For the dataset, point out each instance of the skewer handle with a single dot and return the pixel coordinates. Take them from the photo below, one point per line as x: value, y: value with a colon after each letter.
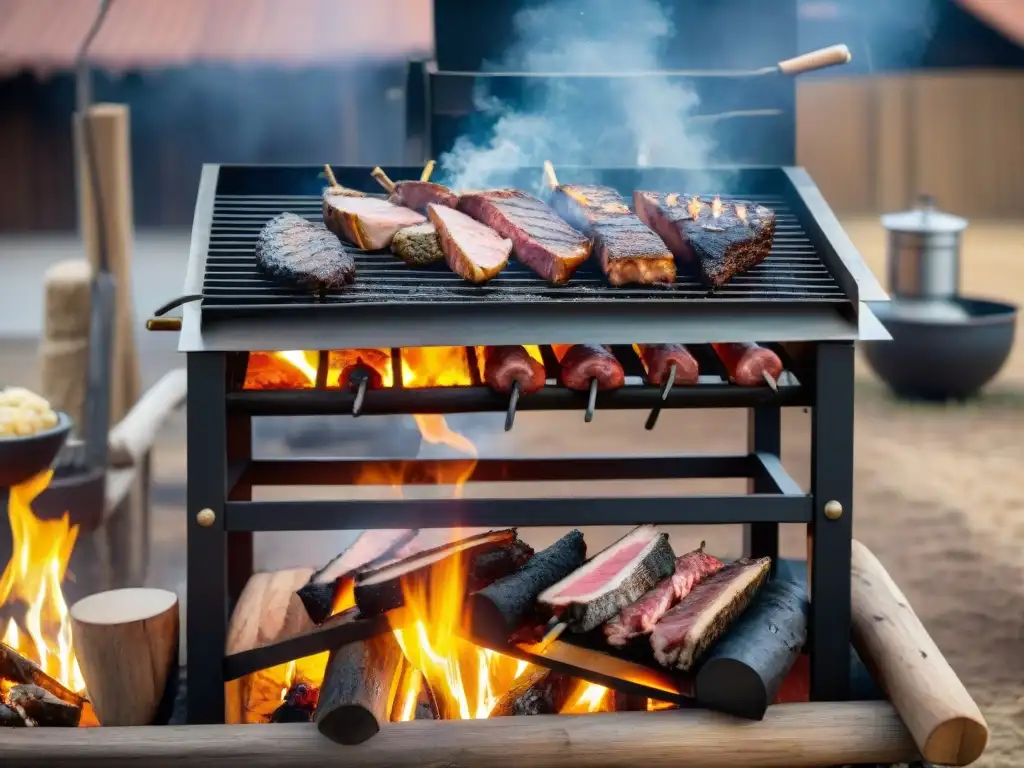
x: 510, y: 416
x: 652, y: 419
x: 770, y: 381
x: 357, y: 406
x: 382, y: 178
x: 330, y: 176
x: 820, y: 59
x: 591, y: 402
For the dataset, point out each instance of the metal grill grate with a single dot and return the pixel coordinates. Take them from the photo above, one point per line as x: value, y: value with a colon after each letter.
x: 232, y: 284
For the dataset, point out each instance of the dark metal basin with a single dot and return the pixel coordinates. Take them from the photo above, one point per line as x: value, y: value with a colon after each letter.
x: 24, y: 457
x: 941, y: 352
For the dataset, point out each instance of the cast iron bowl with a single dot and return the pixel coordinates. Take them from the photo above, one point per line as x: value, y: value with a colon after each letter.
x: 942, y: 358
x: 25, y: 457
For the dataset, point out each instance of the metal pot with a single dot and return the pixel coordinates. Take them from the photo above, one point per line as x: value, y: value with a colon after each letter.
x: 924, y: 252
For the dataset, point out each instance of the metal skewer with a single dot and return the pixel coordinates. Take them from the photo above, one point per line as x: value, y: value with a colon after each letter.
x: 591, y: 402
x: 770, y: 381
x: 364, y: 382
x: 510, y: 416
x: 652, y: 419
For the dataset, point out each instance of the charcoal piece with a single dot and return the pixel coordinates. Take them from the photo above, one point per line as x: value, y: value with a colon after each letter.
x: 538, y: 692
x: 294, y: 251
x: 743, y: 672
x: 503, y: 607
x: 9, y: 718
x: 41, y: 708
x: 380, y: 590
x: 298, y: 706
x: 370, y: 548
x: 424, y: 711
x: 612, y: 579
x: 488, y: 567
x: 685, y: 633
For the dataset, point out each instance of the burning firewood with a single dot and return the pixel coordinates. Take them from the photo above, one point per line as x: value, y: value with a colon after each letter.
x: 39, y: 707
x: 329, y: 590
x: 22, y: 671
x: 539, y: 692
x: 359, y: 689
x: 9, y: 718
x: 489, y: 556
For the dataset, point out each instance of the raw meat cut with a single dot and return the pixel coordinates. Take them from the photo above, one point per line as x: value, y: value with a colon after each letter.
x: 474, y: 251
x: 612, y: 579
x: 688, y: 630
x: 639, y: 617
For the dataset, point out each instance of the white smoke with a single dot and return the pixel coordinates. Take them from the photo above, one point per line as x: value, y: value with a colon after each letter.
x: 622, y: 121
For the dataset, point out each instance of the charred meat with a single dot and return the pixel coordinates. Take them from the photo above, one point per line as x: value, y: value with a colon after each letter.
x: 612, y: 579
x: 418, y: 246
x: 625, y: 247
x: 688, y: 630
x: 367, y: 222
x: 718, y: 239
x: 473, y: 251
x: 294, y: 251
x: 542, y: 240
x: 639, y: 617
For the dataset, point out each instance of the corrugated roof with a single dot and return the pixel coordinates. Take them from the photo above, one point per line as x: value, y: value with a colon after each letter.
x: 44, y: 35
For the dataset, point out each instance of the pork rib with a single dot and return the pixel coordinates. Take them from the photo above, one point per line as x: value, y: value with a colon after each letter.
x: 625, y: 247
x: 542, y: 241
x: 639, y: 617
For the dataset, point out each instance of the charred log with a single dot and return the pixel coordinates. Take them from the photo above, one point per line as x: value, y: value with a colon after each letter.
x: 540, y: 692
x: 744, y: 671
x: 18, y: 669
x: 39, y: 707
x: 381, y: 590
x: 503, y: 607
x: 9, y: 718
x: 359, y: 689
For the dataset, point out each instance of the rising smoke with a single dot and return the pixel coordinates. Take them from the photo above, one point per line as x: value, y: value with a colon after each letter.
x: 607, y: 122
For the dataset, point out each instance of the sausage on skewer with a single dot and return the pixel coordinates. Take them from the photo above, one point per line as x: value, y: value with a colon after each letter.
x: 749, y: 364
x: 512, y: 370
x: 590, y: 367
x: 658, y: 360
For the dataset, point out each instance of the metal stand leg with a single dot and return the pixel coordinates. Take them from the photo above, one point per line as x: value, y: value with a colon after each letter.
x: 206, y: 606
x: 830, y: 533
x: 764, y: 435
x: 240, y: 555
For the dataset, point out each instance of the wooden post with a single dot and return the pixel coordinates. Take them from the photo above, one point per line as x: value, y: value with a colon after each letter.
x: 126, y: 641
x: 109, y: 125
x: 64, y: 349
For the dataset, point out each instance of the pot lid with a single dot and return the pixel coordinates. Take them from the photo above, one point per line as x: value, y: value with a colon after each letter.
x: 924, y: 219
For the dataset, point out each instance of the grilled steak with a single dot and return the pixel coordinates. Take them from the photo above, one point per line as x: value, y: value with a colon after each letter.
x: 688, y: 630
x: 612, y: 579
x: 639, y: 617
x: 626, y: 248
x: 720, y: 240
x: 658, y: 360
x: 505, y: 365
x: 419, y: 194
x: 473, y: 251
x: 295, y: 251
x: 367, y: 222
x: 418, y: 246
x: 583, y: 362
x: 542, y: 240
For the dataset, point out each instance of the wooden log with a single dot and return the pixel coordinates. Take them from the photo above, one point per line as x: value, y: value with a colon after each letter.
x: 947, y: 725
x: 791, y: 735
x: 22, y: 671
x: 110, y: 128
x: 41, y: 708
x: 744, y: 671
x: 9, y: 718
x: 539, y: 692
x: 359, y: 689
x: 63, y: 354
x: 126, y: 641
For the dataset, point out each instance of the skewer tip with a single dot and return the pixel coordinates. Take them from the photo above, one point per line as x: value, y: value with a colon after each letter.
x: 330, y: 176
x: 591, y: 402
x: 770, y: 381
x: 382, y: 179
x: 510, y: 415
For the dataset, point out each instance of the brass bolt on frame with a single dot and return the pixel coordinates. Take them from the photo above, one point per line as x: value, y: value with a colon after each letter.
x: 206, y: 517
x: 833, y: 510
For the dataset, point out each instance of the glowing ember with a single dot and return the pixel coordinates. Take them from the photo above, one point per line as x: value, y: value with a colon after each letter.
x: 694, y: 207
x: 717, y: 207
x: 40, y: 553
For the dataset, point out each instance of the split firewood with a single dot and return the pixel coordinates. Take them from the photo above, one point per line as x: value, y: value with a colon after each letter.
x: 39, y: 707
x: 18, y: 669
x: 539, y: 692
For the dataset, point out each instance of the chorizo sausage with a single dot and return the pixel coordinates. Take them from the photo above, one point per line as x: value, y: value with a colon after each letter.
x: 583, y: 362
x: 658, y: 360
x: 746, y: 363
x: 505, y: 365
x: 368, y: 362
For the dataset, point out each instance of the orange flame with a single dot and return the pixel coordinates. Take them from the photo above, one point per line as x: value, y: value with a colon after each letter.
x: 39, y: 559
x: 694, y: 207
x: 741, y: 212
x: 587, y: 698
x: 717, y: 207
x: 297, y: 369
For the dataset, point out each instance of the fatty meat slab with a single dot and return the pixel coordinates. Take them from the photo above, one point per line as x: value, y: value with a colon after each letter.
x: 367, y: 222
x: 294, y: 251
x: 473, y: 251
x: 640, y: 617
x: 683, y: 634
x: 611, y: 580
x: 626, y: 248
x: 719, y: 240
x: 541, y: 239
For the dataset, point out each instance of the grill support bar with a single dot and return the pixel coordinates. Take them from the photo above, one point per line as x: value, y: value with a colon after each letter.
x: 222, y: 473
